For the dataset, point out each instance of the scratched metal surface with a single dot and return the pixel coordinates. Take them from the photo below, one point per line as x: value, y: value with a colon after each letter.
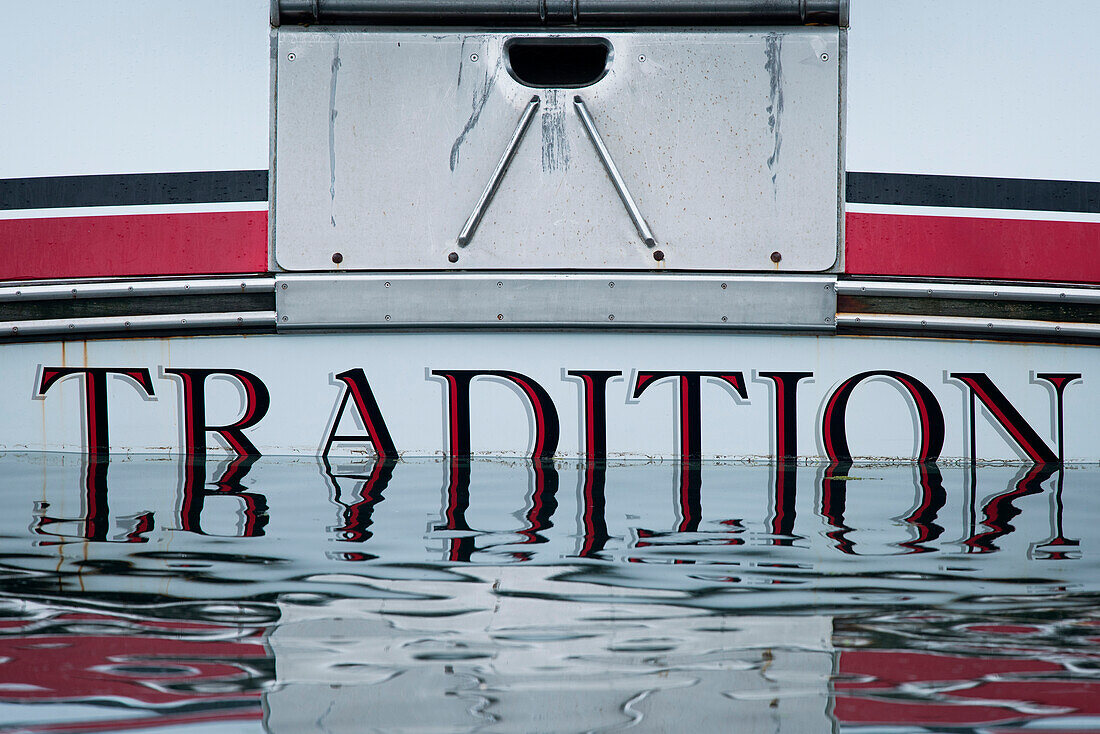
x: 727, y: 140
x: 151, y: 593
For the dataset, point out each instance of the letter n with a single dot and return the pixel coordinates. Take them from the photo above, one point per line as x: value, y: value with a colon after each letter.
x: 1008, y: 418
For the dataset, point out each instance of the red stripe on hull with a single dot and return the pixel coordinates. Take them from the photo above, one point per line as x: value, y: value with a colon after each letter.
x: 139, y: 244
x: 966, y: 247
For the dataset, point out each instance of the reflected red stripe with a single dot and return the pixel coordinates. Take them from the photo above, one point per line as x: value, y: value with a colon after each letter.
x: 969, y: 247
x: 889, y: 667
x: 134, y: 244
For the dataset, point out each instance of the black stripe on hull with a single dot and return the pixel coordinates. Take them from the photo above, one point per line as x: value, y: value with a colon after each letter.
x: 133, y: 189
x: 971, y: 192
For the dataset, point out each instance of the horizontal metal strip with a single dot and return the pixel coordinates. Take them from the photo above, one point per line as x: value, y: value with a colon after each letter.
x: 113, y: 289
x: 183, y: 322
x: 129, y: 189
x: 556, y: 300
x: 973, y: 192
x: 588, y: 12
x: 967, y: 325
x: 968, y: 290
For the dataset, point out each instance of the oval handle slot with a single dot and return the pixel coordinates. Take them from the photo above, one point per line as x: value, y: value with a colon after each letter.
x: 558, y: 62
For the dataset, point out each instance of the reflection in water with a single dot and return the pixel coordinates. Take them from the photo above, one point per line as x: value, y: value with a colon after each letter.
x: 157, y: 593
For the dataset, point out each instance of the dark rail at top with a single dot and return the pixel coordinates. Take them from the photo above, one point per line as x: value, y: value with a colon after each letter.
x: 562, y: 12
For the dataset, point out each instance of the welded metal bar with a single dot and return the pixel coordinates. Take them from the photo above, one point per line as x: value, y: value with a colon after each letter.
x: 136, y: 288
x: 965, y: 324
x: 542, y: 12
x: 468, y: 230
x: 971, y: 291
x: 613, y: 171
x: 159, y: 322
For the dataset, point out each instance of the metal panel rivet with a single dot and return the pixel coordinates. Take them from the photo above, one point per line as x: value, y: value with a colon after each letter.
x: 500, y: 317
x: 72, y: 326
x: 824, y: 57
x: 658, y: 255
x: 15, y: 329
x: 126, y: 324
x: 611, y: 284
x: 387, y: 317
x: 284, y: 286
x: 777, y: 256
x: 726, y: 318
x: 641, y: 57
x: 474, y: 57
x: 611, y: 317
x: 723, y: 286
x: 387, y: 284
x: 500, y: 284
x: 923, y: 323
x: 995, y: 294
x: 1057, y: 328
x: 337, y: 258
x: 290, y: 56
x: 130, y: 288
x: 453, y: 257
x: 284, y: 318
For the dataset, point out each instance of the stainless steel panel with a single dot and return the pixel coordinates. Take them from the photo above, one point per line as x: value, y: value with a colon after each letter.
x: 726, y: 140
x: 555, y: 300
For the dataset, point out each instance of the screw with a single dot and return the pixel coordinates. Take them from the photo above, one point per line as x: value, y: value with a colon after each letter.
x: 723, y: 286
x: 129, y: 289
x: 923, y: 322
x: 641, y: 57
x: 126, y: 324
x: 725, y: 319
x: 500, y: 284
x: 290, y: 56
x: 824, y: 57
x: 284, y: 286
x: 611, y: 317
x: 658, y: 255
x: 387, y: 317
x: 337, y: 258
x: 500, y: 317
x: 474, y: 57
x: 72, y: 326
x: 15, y: 329
x: 240, y: 319
x: 611, y: 284
x: 387, y: 284
x: 453, y: 257
x: 284, y: 318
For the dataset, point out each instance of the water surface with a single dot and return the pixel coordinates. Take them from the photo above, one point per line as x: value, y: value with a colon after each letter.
x: 295, y: 595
